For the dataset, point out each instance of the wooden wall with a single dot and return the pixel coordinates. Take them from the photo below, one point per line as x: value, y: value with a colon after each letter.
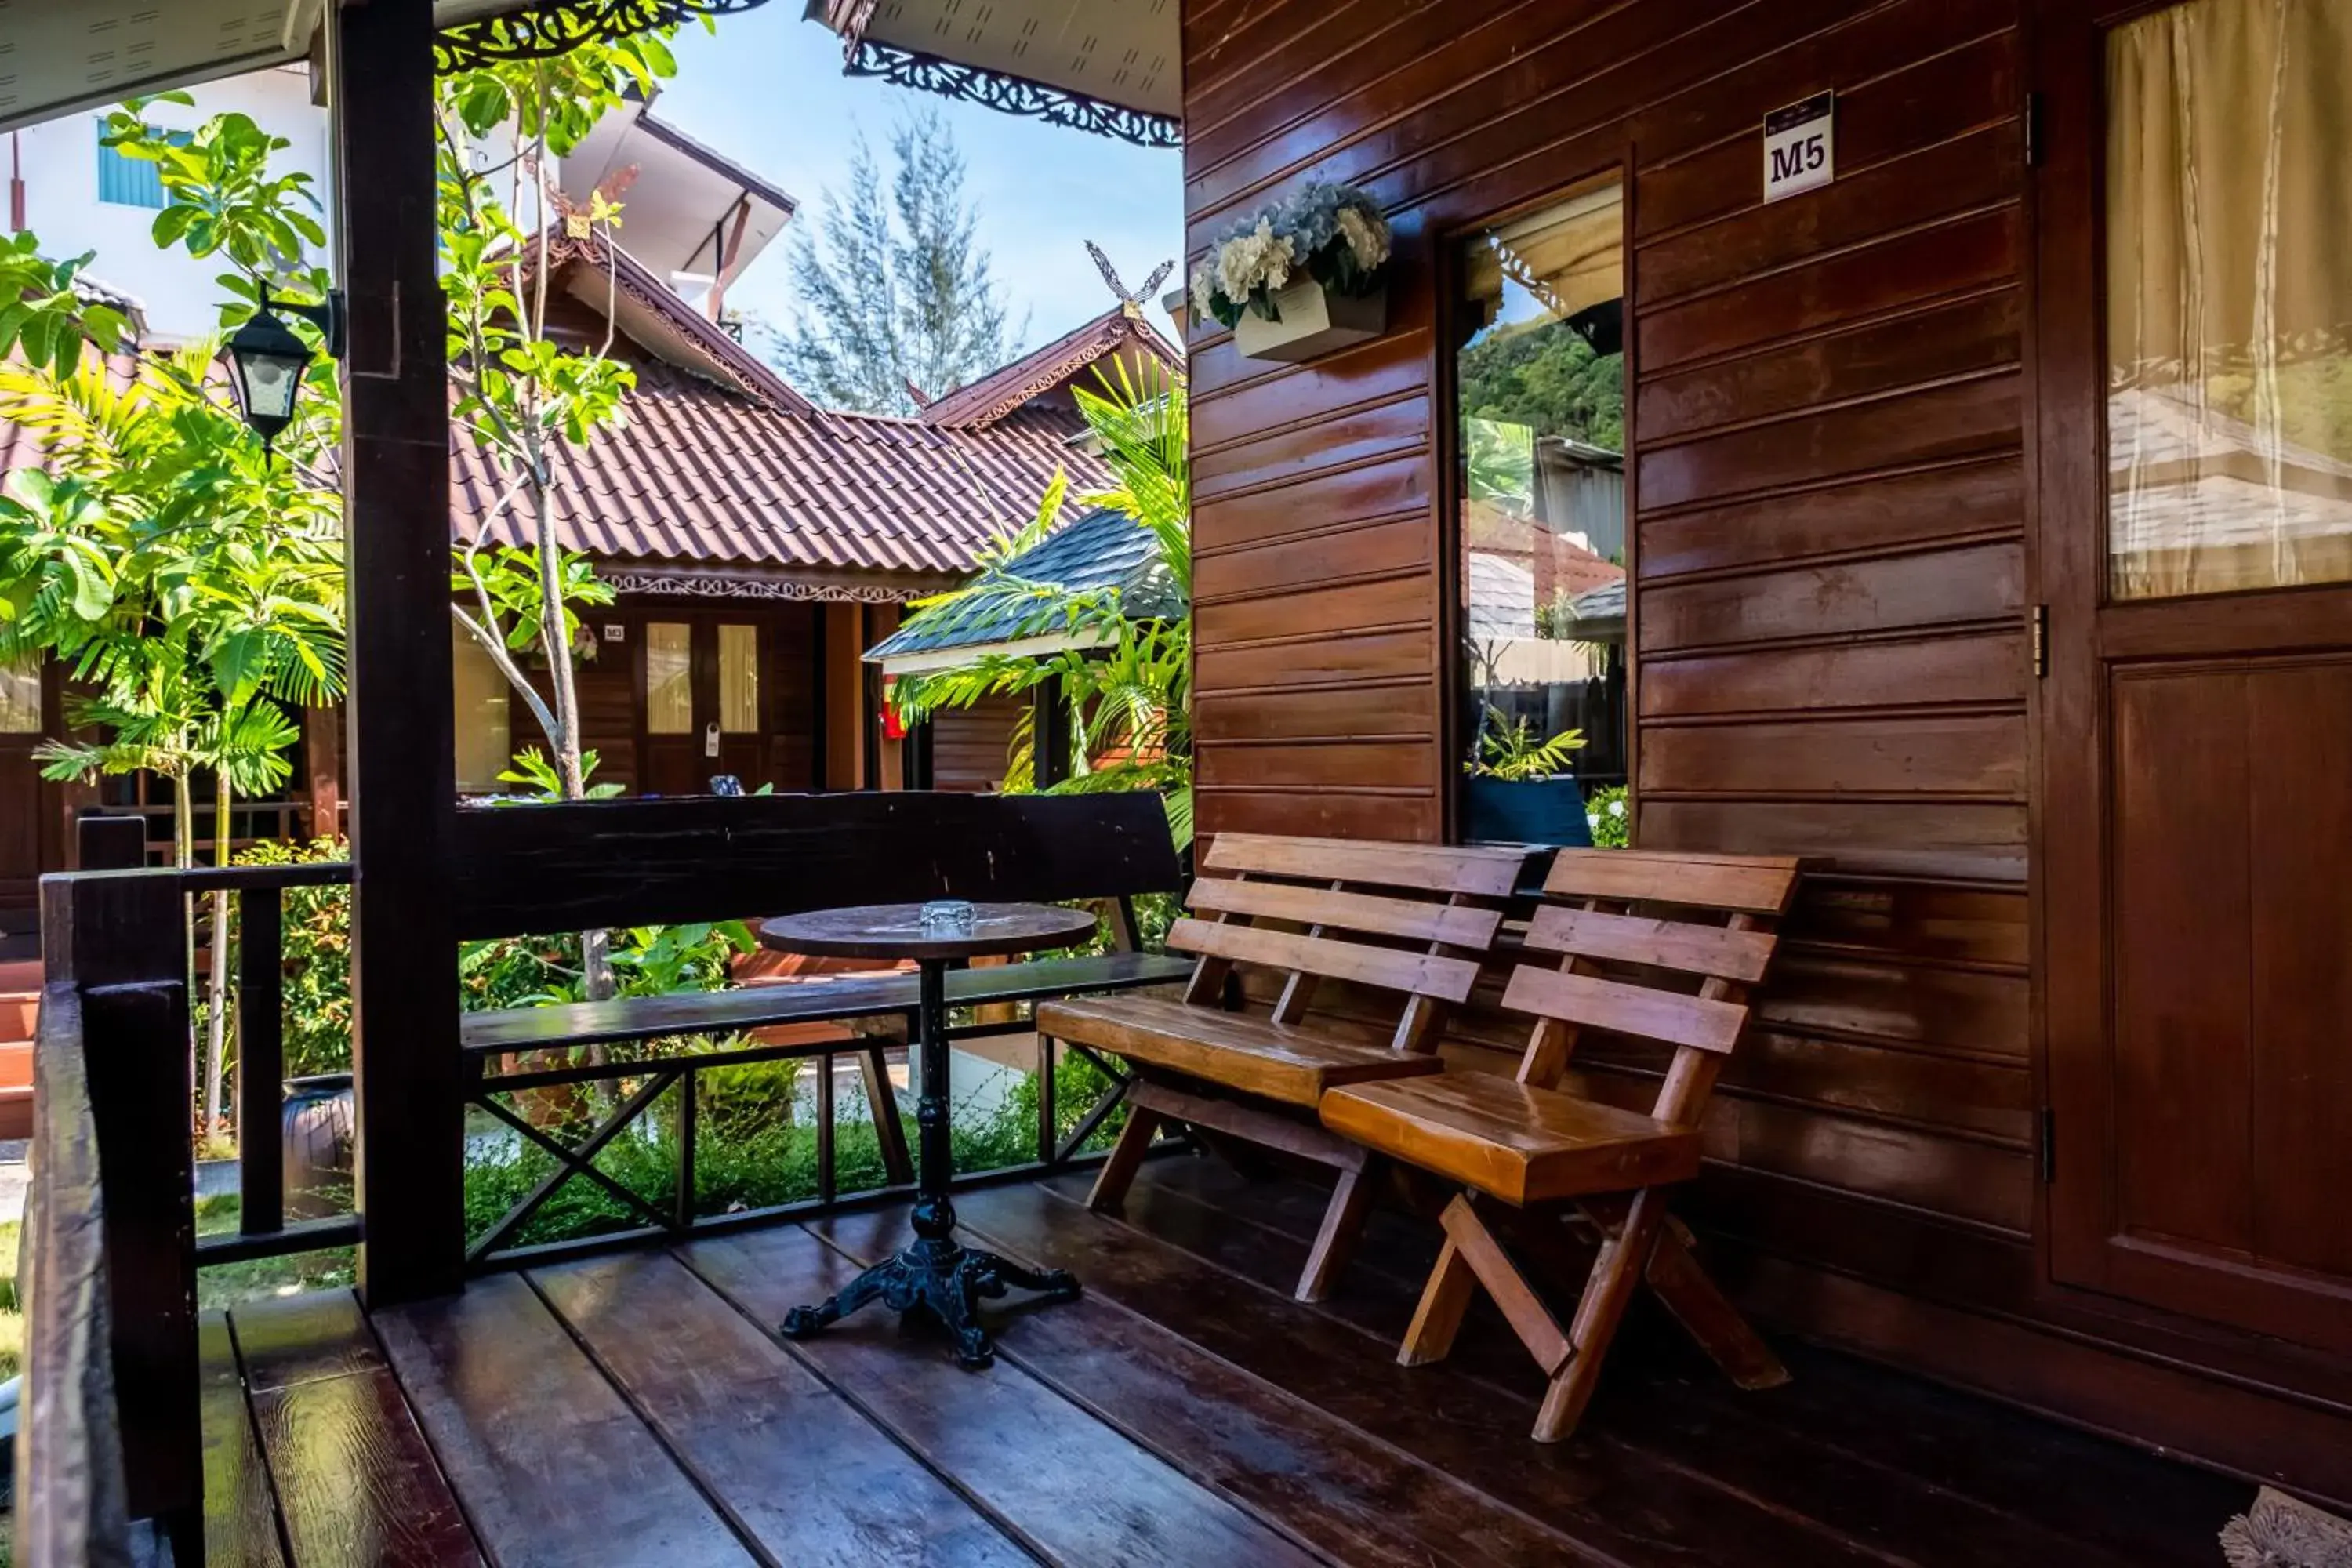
x: 969, y: 745
x: 1827, y: 412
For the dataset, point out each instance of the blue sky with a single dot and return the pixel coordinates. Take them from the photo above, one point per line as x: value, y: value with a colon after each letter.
x: 767, y: 89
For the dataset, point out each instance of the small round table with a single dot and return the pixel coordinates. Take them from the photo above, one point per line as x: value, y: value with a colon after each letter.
x: 933, y: 1273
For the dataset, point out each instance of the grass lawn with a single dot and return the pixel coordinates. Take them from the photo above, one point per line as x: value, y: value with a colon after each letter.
x: 12, y: 1314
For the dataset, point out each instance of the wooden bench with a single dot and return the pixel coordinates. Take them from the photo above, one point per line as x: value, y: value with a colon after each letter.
x: 1641, y: 929
x: 1430, y: 913
x: 760, y: 856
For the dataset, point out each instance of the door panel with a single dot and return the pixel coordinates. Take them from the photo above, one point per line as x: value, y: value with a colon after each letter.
x: 2183, y: 957
x: 2299, y: 830
x: 2194, y: 840
x: 737, y: 705
x: 665, y: 688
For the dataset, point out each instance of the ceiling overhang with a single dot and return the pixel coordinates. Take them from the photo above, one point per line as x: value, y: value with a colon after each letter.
x: 1110, y: 67
x: 60, y: 56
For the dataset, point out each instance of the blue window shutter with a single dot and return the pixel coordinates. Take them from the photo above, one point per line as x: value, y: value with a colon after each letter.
x: 127, y: 182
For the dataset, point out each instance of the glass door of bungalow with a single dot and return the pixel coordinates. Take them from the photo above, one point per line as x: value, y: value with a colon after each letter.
x: 700, y: 704
x: 2195, y: 323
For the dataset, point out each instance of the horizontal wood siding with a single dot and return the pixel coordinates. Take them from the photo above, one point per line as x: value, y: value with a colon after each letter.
x: 1827, y: 404
x: 969, y: 745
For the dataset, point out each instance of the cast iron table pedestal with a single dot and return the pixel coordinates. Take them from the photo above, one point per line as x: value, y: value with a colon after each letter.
x: 934, y: 1273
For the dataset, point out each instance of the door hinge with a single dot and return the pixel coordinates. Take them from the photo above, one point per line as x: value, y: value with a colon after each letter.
x: 2038, y: 633
x: 2031, y: 124
x: 2049, y: 1146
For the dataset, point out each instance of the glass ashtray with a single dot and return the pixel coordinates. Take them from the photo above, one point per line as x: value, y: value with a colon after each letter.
x: 949, y: 916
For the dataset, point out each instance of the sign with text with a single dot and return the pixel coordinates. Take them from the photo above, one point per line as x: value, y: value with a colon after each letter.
x: 1801, y: 147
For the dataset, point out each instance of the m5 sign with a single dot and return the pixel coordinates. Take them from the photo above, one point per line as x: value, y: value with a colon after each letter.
x: 1801, y: 147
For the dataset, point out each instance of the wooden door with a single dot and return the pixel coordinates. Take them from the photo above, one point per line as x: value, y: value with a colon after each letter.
x: 2195, y: 824
x: 703, y: 703
x: 23, y: 798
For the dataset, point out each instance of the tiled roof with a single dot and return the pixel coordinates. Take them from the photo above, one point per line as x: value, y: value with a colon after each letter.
x: 739, y: 470
x: 1002, y: 391
x: 1102, y: 548
x: 701, y: 474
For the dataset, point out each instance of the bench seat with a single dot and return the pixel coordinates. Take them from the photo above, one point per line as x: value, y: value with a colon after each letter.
x: 1520, y: 1144
x: 882, y: 995
x: 1237, y: 1051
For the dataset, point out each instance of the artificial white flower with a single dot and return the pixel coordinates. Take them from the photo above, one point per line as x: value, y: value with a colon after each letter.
x: 1366, y: 236
x: 1205, y: 288
x: 1259, y: 257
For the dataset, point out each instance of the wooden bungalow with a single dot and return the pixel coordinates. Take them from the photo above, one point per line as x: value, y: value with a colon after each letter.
x: 1944, y: 574
x: 1985, y: 538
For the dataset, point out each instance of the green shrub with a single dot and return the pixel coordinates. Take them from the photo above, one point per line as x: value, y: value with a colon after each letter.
x: 1611, y: 819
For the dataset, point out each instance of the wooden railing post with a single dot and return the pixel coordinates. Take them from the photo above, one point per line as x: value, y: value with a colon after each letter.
x: 119, y: 938
x: 405, y: 1063
x: 260, y: 1061
x: 104, y: 843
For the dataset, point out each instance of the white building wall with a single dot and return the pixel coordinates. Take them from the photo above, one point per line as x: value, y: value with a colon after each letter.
x: 59, y: 162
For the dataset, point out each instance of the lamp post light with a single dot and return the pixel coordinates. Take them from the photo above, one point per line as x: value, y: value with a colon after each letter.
x: 266, y: 360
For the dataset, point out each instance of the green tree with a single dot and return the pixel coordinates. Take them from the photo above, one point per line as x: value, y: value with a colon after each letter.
x: 1546, y: 377
x: 265, y: 627
x: 190, y: 583
x: 1130, y: 688
x: 521, y: 397
x: 892, y: 287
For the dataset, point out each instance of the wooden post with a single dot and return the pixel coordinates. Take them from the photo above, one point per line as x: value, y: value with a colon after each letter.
x: 1052, y: 733
x: 322, y: 745
x: 103, y: 843
x: 410, y: 1094
x: 845, y: 697
x: 120, y: 939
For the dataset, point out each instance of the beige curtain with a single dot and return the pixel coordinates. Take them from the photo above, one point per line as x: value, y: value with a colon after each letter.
x: 2228, y: 229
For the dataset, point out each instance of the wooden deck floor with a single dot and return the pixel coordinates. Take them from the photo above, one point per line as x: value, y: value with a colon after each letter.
x: 638, y: 1409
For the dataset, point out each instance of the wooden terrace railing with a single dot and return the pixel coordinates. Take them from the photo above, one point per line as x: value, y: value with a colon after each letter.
x: 111, y: 1429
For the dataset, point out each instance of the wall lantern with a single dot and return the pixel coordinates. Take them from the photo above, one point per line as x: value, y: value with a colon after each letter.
x: 266, y: 360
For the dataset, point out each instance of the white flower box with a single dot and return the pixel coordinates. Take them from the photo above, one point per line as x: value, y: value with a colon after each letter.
x: 1313, y: 323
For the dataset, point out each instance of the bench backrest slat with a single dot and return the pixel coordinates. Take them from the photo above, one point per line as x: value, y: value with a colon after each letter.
x: 1457, y: 925
x: 1715, y: 951
x: 1750, y: 884
x: 1359, y: 901
x: 1393, y: 969
x: 1709, y: 916
x: 1471, y: 871
x: 1667, y: 1016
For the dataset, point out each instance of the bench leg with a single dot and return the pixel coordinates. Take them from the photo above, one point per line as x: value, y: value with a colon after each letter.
x: 1439, y: 1317
x: 1616, y: 1275
x: 1343, y: 1224
x: 1118, y: 1173
x: 892, y: 1134
x: 1697, y: 1303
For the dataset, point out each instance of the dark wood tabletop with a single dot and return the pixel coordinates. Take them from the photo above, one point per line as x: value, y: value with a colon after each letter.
x: 896, y: 931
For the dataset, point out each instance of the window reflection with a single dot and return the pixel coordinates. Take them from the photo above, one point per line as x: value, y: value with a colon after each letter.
x: 1539, y: 385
